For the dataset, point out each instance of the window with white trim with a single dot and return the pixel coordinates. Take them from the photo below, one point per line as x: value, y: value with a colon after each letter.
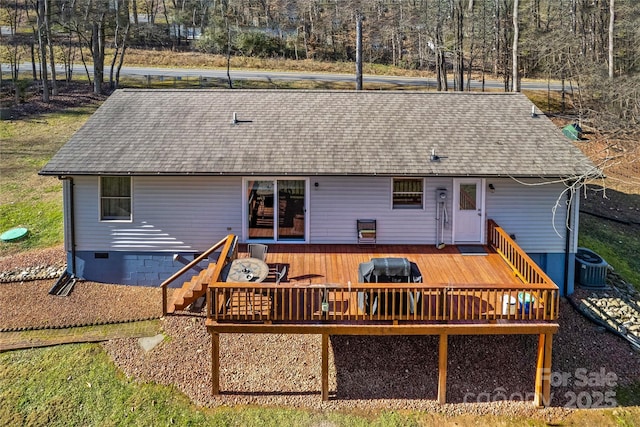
x: 115, y: 198
x: 408, y: 193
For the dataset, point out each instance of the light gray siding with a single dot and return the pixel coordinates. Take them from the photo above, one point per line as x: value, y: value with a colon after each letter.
x: 182, y: 214
x: 337, y: 202
x: 528, y: 212
x: 169, y: 214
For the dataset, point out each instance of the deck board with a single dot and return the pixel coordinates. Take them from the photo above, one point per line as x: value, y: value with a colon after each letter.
x: 317, y: 264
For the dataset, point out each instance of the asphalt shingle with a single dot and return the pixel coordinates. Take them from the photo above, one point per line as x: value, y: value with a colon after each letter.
x: 148, y: 132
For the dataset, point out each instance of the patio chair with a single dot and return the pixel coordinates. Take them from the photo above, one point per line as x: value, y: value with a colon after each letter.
x: 276, y: 273
x: 258, y: 251
x: 280, y: 274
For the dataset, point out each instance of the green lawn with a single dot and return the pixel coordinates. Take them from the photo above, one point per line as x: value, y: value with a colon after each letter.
x: 26, y: 199
x: 77, y: 385
x: 618, y: 244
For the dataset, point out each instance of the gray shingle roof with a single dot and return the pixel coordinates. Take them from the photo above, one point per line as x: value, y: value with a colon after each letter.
x: 317, y: 133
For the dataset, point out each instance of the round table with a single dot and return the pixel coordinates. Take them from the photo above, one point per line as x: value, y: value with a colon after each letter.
x: 248, y: 270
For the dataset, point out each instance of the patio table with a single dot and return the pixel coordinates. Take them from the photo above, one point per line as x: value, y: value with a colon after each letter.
x: 247, y: 270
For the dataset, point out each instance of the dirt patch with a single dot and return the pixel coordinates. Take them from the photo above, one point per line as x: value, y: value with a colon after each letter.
x: 612, y: 204
x: 70, y: 95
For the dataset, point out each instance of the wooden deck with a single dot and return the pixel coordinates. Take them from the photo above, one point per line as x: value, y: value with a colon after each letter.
x: 322, y: 285
x: 338, y: 264
x: 322, y: 294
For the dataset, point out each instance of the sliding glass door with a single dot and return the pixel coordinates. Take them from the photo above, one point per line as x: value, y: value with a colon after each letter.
x: 261, y: 213
x: 276, y: 209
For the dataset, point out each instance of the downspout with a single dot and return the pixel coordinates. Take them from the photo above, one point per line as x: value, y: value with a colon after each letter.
x: 567, y: 244
x: 72, y: 226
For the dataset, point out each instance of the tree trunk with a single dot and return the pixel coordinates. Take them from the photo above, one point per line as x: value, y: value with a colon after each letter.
x: 43, y: 53
x: 229, y: 55
x: 33, y: 62
x: 124, y: 48
x: 611, y: 21
x: 515, y: 81
x: 359, y: 52
x: 458, y: 25
x: 52, y: 59
x: 97, y: 51
x: 134, y: 9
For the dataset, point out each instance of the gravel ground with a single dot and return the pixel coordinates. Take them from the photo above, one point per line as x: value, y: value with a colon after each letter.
x: 372, y: 373
x: 28, y: 304
x: 366, y: 373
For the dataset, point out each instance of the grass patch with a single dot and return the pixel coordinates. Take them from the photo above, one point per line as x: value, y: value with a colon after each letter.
x: 618, y: 244
x: 628, y: 395
x: 171, y: 59
x: 550, y: 101
x: 43, y: 219
x: 27, y: 199
x: 78, y: 385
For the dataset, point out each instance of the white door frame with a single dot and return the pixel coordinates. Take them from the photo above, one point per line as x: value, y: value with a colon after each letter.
x: 480, y: 199
x: 275, y: 179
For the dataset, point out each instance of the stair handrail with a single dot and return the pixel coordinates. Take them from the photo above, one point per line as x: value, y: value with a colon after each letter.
x: 188, y: 267
x: 507, y: 248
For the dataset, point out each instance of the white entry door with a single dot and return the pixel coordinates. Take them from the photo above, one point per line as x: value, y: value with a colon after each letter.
x: 468, y: 216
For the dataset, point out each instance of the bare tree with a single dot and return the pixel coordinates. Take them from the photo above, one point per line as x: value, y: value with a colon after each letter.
x: 98, y: 44
x: 120, y: 39
x: 42, y: 50
x: 515, y: 81
x: 611, y: 21
x: 458, y: 50
x: 52, y: 59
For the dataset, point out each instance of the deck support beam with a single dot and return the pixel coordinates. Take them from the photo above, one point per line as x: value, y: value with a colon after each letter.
x: 325, y: 367
x: 442, y: 368
x: 542, y: 393
x: 215, y: 363
x: 544, y: 331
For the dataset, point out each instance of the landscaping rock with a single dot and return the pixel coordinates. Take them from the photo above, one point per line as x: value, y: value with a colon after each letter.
x: 149, y: 343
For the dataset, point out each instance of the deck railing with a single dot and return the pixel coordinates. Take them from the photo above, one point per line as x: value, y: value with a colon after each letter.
x: 227, y: 242
x: 522, y: 265
x: 536, y: 299
x: 377, y: 302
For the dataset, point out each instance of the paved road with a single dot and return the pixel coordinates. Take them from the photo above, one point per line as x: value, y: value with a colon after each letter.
x: 294, y: 76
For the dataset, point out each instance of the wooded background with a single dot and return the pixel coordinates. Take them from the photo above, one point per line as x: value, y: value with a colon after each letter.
x: 591, y: 45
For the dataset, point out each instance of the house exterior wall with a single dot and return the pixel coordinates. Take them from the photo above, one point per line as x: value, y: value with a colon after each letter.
x: 186, y: 215
x: 338, y: 202
x: 171, y: 215
x: 526, y: 209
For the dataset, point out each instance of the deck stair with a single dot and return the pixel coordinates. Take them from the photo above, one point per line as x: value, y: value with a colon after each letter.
x: 192, y: 289
x: 196, y: 287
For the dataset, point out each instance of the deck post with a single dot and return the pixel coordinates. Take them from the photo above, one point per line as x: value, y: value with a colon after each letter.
x: 546, y: 379
x: 215, y: 363
x: 542, y: 394
x: 442, y: 368
x: 325, y: 367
